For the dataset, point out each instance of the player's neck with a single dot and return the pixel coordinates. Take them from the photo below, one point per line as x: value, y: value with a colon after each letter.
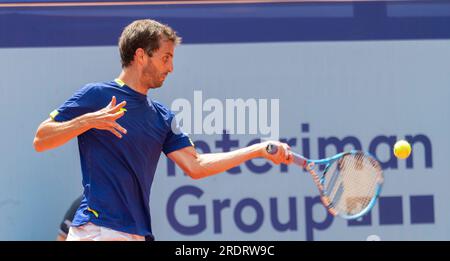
x: 131, y: 79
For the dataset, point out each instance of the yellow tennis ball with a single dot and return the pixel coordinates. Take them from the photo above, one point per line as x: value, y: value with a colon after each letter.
x: 402, y: 149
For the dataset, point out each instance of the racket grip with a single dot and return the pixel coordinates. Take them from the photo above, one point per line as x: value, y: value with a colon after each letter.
x: 298, y: 159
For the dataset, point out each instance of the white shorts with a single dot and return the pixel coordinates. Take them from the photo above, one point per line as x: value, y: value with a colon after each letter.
x: 92, y: 232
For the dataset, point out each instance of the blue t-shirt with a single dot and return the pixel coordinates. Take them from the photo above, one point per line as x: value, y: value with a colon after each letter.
x: 118, y: 173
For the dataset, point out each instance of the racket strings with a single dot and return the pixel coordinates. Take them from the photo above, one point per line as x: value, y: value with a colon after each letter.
x: 351, y: 183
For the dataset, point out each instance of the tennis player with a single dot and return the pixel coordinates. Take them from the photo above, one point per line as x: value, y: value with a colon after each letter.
x: 121, y: 134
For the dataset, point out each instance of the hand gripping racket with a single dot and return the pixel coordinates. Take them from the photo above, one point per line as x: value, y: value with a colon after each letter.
x: 349, y: 184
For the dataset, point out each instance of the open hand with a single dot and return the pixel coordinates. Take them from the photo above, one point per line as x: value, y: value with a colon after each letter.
x: 105, y: 119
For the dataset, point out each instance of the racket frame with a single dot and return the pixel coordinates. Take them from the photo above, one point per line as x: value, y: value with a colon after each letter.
x: 319, y: 180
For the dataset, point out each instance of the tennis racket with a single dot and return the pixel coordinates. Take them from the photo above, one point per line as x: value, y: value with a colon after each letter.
x: 349, y: 184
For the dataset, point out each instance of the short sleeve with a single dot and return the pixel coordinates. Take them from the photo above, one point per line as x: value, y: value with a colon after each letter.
x: 176, y: 139
x: 82, y: 101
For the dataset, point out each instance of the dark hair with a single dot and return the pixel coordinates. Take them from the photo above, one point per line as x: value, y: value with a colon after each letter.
x: 145, y: 34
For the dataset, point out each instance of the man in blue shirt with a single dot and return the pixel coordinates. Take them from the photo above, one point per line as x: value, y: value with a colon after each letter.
x: 120, y: 144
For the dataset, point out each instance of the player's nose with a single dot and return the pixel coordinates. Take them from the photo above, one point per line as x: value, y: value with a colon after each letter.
x: 170, y: 67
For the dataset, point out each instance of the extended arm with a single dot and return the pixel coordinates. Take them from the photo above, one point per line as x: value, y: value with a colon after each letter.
x: 203, y: 165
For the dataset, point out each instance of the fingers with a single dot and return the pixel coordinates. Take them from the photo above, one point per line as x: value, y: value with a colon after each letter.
x: 115, y: 132
x: 105, y: 119
x: 290, y: 158
x: 283, y: 154
x: 287, y: 156
x: 112, y: 103
x: 117, y: 107
x: 112, y: 107
x: 120, y: 128
x: 117, y: 115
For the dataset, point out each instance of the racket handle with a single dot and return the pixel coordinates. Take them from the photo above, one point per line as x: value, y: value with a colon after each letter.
x: 298, y: 159
x: 272, y: 149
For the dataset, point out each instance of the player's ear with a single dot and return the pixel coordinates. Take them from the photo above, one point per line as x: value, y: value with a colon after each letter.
x: 139, y: 55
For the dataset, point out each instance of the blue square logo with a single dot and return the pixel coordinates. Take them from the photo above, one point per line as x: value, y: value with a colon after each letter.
x: 422, y: 209
x: 390, y: 210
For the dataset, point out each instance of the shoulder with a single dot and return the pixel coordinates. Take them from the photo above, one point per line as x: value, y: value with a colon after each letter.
x: 95, y: 93
x: 94, y: 87
x: 90, y: 89
x: 163, y: 110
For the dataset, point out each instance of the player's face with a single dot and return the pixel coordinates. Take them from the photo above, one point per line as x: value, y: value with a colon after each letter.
x: 158, y: 66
